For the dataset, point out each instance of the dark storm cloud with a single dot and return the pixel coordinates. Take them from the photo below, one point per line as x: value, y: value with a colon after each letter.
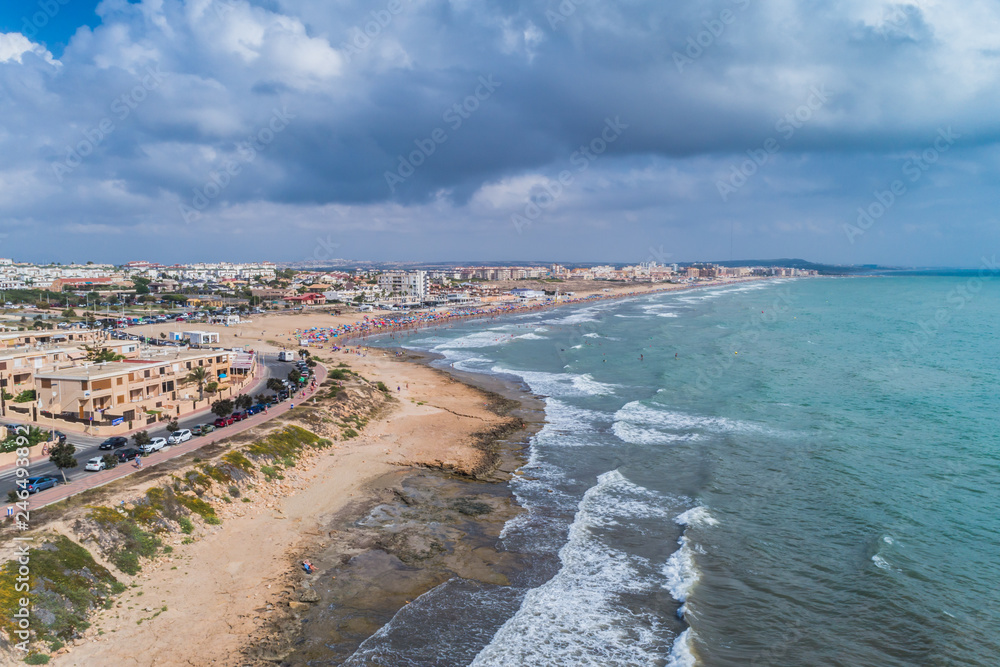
x: 845, y: 90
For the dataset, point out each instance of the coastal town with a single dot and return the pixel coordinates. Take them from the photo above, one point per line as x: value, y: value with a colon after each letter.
x: 112, y: 373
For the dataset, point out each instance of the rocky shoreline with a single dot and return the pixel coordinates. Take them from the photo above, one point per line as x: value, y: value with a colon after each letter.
x: 416, y: 528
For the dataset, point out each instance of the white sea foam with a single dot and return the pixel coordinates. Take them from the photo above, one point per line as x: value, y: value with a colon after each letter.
x: 637, y: 435
x: 696, y: 516
x: 576, y: 617
x: 530, y: 336
x: 680, y: 653
x: 881, y: 563
x: 592, y: 335
x: 680, y: 572
x: 639, y: 414
x: 561, y: 384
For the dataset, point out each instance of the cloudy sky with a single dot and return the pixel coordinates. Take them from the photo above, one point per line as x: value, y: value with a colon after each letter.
x: 851, y: 131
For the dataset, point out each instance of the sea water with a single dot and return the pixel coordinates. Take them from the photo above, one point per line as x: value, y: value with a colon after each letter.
x: 786, y: 472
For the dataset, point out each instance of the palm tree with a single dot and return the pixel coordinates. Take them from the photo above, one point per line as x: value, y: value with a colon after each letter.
x: 199, y: 374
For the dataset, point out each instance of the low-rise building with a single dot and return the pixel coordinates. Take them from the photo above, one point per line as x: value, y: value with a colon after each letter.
x: 127, y: 390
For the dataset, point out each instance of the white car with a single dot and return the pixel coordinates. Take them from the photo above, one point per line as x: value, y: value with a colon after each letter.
x: 154, y: 445
x: 95, y: 464
x: 180, y: 436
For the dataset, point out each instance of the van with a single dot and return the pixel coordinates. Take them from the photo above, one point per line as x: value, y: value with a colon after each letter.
x: 286, y: 355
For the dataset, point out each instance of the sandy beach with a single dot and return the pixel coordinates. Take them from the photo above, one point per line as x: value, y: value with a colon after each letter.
x: 236, y: 594
x: 203, y: 603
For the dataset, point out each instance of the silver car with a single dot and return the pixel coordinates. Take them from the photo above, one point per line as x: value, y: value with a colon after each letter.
x: 180, y: 436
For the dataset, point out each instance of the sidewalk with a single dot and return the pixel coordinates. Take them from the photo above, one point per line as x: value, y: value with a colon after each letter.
x: 95, y: 479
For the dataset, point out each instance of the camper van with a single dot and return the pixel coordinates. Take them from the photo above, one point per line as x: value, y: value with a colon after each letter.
x: 286, y: 355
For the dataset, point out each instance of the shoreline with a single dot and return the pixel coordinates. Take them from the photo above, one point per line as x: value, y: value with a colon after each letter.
x: 373, y: 472
x: 226, y: 604
x: 358, y: 555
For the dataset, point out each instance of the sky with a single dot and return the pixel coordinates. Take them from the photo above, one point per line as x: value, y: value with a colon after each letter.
x: 847, y: 132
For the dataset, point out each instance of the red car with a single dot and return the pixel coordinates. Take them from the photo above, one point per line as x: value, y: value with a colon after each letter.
x: 223, y: 421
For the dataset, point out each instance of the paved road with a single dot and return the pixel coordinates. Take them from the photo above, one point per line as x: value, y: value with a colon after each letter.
x: 87, y: 445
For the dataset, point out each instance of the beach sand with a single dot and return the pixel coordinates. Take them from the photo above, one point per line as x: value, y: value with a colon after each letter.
x: 217, y: 590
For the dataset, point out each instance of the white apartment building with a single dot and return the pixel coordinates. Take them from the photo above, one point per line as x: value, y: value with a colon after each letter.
x: 414, y: 285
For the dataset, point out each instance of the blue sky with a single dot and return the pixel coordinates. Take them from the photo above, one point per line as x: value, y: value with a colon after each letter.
x: 48, y: 22
x: 846, y: 131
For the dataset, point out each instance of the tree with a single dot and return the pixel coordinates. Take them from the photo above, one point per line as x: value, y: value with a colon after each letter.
x: 222, y: 408
x: 212, y: 387
x: 141, y: 438
x: 303, y: 352
x: 110, y: 461
x: 173, y: 426
x: 61, y: 456
x: 99, y: 354
x: 243, y: 401
x: 69, y: 312
x: 293, y: 376
x: 199, y: 374
x: 274, y: 384
x: 141, y: 285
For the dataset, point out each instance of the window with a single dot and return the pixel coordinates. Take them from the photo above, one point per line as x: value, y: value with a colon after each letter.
x: 121, y: 381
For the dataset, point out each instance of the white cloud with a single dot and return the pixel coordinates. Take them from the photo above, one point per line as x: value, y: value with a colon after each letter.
x: 14, y: 45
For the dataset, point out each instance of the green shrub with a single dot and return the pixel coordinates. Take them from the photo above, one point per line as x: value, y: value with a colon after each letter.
x: 186, y: 526
x: 37, y: 659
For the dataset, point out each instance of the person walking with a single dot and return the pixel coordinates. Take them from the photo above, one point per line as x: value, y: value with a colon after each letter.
x: 138, y: 462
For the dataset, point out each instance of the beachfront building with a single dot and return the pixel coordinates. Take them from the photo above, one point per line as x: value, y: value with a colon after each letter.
x: 411, y: 285
x: 195, y: 337
x: 104, y: 393
x: 39, y: 339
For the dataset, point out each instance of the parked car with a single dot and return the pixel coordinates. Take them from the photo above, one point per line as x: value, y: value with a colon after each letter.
x: 114, y: 442
x: 59, y: 436
x: 95, y: 464
x: 127, y: 454
x: 36, y: 484
x: 223, y: 421
x: 254, y: 409
x: 177, y: 437
x: 202, y: 429
x: 154, y: 445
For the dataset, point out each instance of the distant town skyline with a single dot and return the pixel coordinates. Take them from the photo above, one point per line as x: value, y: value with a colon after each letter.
x: 408, y: 131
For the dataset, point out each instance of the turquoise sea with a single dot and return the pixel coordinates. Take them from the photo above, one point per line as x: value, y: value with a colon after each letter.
x: 789, y: 472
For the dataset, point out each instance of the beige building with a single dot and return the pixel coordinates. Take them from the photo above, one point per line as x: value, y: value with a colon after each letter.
x: 140, y: 388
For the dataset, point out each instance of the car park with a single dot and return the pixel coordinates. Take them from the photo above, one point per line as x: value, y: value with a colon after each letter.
x: 95, y: 464
x: 127, y: 454
x: 154, y: 445
x: 180, y: 436
x: 114, y: 442
x: 36, y: 484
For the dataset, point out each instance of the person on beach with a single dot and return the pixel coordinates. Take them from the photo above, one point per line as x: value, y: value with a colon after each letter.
x: 307, y: 566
